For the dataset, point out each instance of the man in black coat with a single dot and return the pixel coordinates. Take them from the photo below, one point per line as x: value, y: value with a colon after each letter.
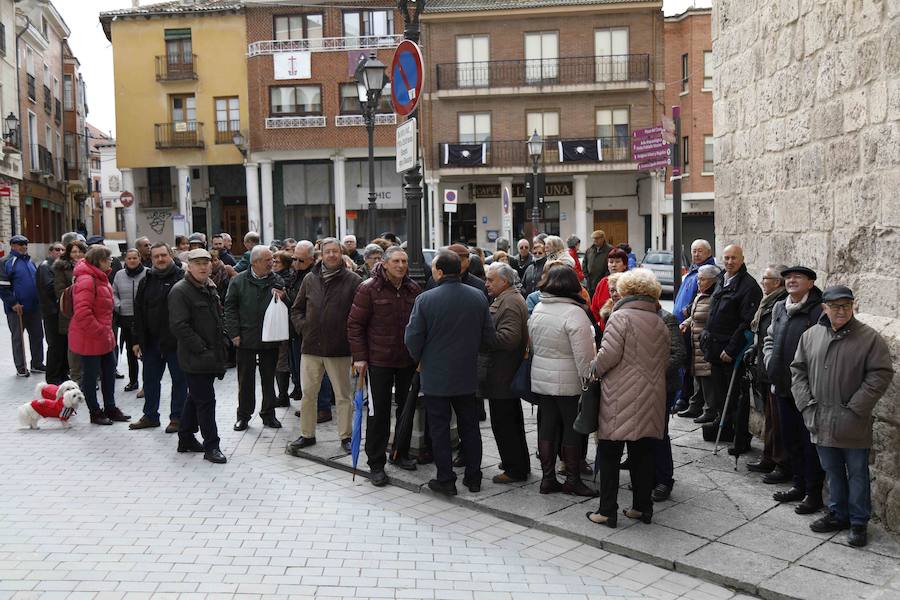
x: 155, y: 343
x: 732, y: 308
x: 57, y: 359
x: 195, y: 319
x: 446, y: 328
x: 520, y: 261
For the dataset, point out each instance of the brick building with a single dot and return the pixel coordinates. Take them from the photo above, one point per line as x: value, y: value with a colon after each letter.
x: 307, y: 140
x: 72, y: 109
x: 582, y: 74
x: 689, y: 82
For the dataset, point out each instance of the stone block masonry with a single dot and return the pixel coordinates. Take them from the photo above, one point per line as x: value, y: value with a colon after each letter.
x: 807, y: 126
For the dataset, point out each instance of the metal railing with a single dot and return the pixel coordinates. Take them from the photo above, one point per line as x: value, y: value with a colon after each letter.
x: 45, y: 161
x: 225, y: 131
x: 295, y: 122
x: 539, y: 72
x: 169, y: 68
x: 48, y: 101
x: 514, y: 153
x: 358, y: 120
x: 332, y: 44
x: 32, y: 91
x: 184, y: 134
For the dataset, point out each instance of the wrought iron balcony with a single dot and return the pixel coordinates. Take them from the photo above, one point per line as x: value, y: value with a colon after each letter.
x: 225, y: 131
x: 45, y: 161
x: 514, y: 153
x: 542, y: 72
x: 184, y: 134
x: 358, y: 120
x: 332, y: 44
x: 176, y: 68
x: 32, y: 91
x: 295, y: 122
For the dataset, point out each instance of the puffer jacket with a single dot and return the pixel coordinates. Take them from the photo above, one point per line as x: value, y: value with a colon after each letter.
x: 378, y: 320
x: 697, y: 323
x: 63, y: 274
x: 838, y: 376
x: 321, y: 310
x: 499, y: 360
x: 783, y: 336
x: 90, y: 331
x: 678, y: 355
x: 125, y: 288
x: 562, y: 345
x: 632, y: 363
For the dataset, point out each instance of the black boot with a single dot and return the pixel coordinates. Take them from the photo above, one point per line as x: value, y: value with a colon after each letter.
x: 284, y: 381
x: 549, y: 483
x: 573, y: 484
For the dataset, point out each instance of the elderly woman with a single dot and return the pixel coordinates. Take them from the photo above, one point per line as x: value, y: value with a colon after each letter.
x: 63, y: 275
x: 555, y: 249
x: 125, y: 284
x: 500, y: 257
x: 632, y: 363
x: 696, y: 322
x: 562, y: 346
x: 616, y: 262
x: 371, y: 255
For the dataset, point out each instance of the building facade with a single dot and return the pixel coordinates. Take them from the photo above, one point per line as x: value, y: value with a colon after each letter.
x: 583, y: 75
x: 95, y: 140
x: 11, y: 160
x: 73, y: 110
x: 181, y: 96
x: 307, y: 141
x: 808, y: 164
x: 689, y: 79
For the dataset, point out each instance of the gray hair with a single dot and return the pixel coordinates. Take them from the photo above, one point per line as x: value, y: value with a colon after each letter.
x: 506, y: 272
x: 502, y: 244
x: 553, y: 245
x: 287, y: 241
x: 251, y: 236
x: 226, y: 236
x: 527, y: 243
x: 572, y: 241
x: 306, y: 245
x: 350, y: 237
x: 329, y: 240
x: 386, y: 255
x: 256, y: 251
x: 703, y: 244
x: 71, y: 237
x: 709, y: 271
x: 373, y: 249
x: 777, y: 269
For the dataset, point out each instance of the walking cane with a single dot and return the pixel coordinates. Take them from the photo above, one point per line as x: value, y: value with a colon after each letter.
x: 748, y: 336
x: 22, y: 332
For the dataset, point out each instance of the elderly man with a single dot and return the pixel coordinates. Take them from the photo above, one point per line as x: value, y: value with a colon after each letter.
x: 447, y: 326
x: 594, y: 265
x: 381, y: 309
x: 535, y: 270
x: 348, y: 244
x: 320, y: 315
x: 195, y: 319
x: 249, y: 295
x: 497, y: 365
x: 57, y: 362
x: 520, y: 261
x: 371, y: 256
x: 731, y: 310
x: 156, y: 344
x: 143, y: 247
x: 841, y: 369
x: 289, y: 245
x: 251, y: 240
x: 791, y: 317
x: 20, y: 301
x: 218, y: 243
x: 304, y: 259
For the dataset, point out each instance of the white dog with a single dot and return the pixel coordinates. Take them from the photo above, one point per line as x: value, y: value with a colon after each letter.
x: 56, y: 402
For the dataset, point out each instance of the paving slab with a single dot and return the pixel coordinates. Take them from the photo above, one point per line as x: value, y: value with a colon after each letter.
x: 771, y: 541
x: 863, y: 566
x: 802, y: 583
x: 653, y: 543
x: 728, y: 565
x: 708, y: 524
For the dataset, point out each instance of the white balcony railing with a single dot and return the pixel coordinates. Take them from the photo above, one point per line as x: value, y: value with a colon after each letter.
x: 358, y: 121
x: 294, y: 122
x: 332, y: 44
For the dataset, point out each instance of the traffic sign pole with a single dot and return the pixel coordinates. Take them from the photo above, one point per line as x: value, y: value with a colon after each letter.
x: 676, y: 201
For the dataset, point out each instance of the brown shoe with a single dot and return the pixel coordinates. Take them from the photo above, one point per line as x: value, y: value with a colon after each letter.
x: 140, y: 393
x: 172, y: 427
x: 323, y: 417
x: 143, y: 423
x: 115, y: 414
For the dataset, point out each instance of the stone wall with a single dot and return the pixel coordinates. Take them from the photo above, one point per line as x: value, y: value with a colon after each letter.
x: 807, y: 126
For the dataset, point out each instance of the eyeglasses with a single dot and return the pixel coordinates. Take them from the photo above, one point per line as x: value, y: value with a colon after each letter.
x: 842, y: 307
x: 57, y: 249
x: 771, y: 278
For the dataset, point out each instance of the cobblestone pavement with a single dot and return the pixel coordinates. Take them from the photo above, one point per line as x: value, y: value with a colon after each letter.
x: 104, y: 512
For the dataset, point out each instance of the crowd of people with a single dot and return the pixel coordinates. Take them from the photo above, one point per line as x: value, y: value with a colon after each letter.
x: 586, y: 339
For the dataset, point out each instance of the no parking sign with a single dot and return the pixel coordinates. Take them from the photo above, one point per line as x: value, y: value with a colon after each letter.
x: 407, y: 76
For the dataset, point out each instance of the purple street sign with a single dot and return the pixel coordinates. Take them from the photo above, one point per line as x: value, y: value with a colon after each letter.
x: 655, y: 164
x: 654, y: 154
x: 648, y: 132
x: 648, y: 144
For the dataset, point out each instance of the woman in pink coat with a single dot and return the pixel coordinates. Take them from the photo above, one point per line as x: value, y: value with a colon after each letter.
x: 91, y: 334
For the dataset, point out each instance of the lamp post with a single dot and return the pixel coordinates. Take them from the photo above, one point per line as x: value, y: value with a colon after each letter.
x: 370, y: 80
x: 238, y: 140
x: 12, y: 130
x: 535, y: 150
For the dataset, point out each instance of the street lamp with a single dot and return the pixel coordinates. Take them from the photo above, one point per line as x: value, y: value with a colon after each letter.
x: 370, y: 80
x: 238, y: 140
x: 12, y: 129
x: 535, y: 150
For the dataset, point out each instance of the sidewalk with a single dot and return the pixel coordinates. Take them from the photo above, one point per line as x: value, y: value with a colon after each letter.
x: 720, y: 525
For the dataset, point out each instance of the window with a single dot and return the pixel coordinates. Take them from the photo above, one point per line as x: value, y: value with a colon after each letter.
x: 48, y: 138
x: 70, y: 149
x: 541, y: 56
x: 159, y: 185
x: 68, y: 93
x: 298, y: 27
x: 44, y: 26
x: 56, y: 88
x: 184, y: 109
x: 296, y: 100
x: 228, y: 114
x: 613, y: 131
x: 368, y: 23
x: 47, y: 76
x: 472, y: 56
x: 350, y: 100
x: 3, y: 39
x: 32, y: 140
x: 685, y: 154
x: 707, y: 70
x: 708, y: 154
x: 685, y: 73
x: 120, y: 219
x: 474, y: 127
x: 178, y: 47
x: 29, y: 60
x: 611, y: 54
x: 58, y: 156
x: 545, y: 123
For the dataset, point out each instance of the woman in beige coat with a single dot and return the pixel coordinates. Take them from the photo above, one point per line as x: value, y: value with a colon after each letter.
x: 631, y: 363
x: 706, y: 283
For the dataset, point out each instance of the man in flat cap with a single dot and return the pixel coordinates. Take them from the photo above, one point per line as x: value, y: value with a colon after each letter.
x: 791, y: 317
x: 18, y: 291
x: 836, y: 398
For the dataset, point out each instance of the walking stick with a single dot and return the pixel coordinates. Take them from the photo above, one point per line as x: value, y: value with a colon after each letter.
x: 22, y: 333
x: 748, y: 336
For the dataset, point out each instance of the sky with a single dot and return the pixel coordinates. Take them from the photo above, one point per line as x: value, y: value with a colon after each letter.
x: 94, y: 51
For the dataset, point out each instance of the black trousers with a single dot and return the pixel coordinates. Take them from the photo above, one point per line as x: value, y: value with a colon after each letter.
x: 246, y: 365
x: 804, y: 460
x: 508, y: 425
x: 378, y: 427
x: 738, y: 410
x: 127, y: 327
x: 663, y: 466
x: 57, y: 350
x: 200, y: 410
x: 640, y: 458
x: 438, y: 410
x: 557, y: 413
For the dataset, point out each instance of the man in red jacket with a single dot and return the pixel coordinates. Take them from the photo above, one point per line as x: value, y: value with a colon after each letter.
x: 377, y: 323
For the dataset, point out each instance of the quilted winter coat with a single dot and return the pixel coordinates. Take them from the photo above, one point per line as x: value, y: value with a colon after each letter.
x: 562, y: 343
x: 632, y: 362
x: 90, y: 331
x: 697, y: 322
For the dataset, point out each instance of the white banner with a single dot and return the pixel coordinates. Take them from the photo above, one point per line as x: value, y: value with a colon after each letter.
x: 292, y: 65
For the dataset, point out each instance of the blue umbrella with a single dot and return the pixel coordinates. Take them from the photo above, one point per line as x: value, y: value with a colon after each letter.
x: 356, y: 436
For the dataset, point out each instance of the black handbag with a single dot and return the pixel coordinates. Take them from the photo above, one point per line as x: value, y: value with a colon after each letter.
x: 521, y: 381
x: 586, y: 422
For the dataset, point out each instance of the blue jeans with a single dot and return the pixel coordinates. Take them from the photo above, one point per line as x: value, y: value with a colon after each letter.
x: 155, y: 363
x: 847, y: 469
x: 103, y: 366
x: 326, y: 393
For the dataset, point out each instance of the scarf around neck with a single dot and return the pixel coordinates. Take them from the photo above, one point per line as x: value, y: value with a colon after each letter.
x: 329, y: 273
x: 766, y: 303
x: 134, y: 272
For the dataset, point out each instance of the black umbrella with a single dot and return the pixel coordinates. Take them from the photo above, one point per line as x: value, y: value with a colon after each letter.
x: 403, y: 430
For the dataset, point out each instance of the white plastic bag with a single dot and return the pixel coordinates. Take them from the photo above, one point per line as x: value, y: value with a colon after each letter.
x: 276, y: 323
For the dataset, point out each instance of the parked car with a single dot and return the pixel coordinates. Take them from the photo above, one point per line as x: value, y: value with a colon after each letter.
x: 661, y: 263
